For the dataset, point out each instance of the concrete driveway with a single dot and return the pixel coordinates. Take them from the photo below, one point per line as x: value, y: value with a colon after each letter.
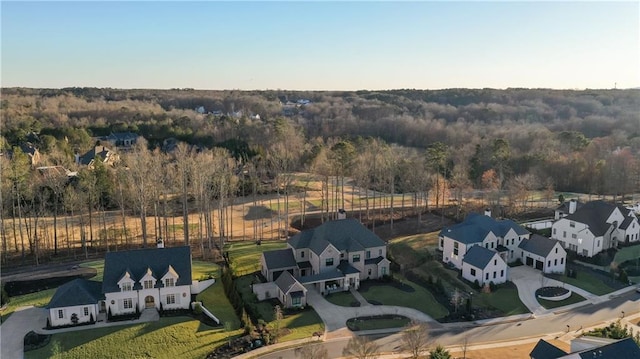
x: 528, y: 280
x: 13, y: 330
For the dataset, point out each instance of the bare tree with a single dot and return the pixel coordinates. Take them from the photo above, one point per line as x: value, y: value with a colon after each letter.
x: 361, y: 348
x: 312, y: 350
x: 415, y: 338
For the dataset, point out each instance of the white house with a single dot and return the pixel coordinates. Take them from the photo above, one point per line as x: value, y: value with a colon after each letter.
x: 596, y: 226
x: 543, y: 253
x: 484, y: 265
x: 334, y: 256
x: 502, y: 236
x: 157, y: 278
x: 75, y: 302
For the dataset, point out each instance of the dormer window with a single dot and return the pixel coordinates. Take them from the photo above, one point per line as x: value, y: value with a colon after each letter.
x: 126, y: 287
x: 148, y: 284
x: 169, y: 282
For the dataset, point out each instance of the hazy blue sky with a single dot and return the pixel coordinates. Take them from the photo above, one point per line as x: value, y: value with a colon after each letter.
x: 321, y: 45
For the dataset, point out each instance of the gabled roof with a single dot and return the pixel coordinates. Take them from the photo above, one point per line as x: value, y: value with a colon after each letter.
x: 345, y: 234
x: 137, y: 262
x: 279, y: 258
x: 476, y: 227
x: 545, y: 350
x: 564, y: 207
x: 76, y: 292
x: 121, y: 136
x: 595, y: 215
x: 101, y: 151
x: 627, y: 221
x: 538, y: 244
x: 323, y: 276
x: 374, y: 260
x: 286, y: 282
x: 347, y: 268
x: 621, y: 349
x: 479, y: 256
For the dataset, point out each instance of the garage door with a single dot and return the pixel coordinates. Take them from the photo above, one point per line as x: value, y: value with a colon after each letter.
x: 529, y: 262
x: 539, y: 265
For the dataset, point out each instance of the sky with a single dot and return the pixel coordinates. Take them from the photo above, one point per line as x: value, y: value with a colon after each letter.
x: 307, y: 45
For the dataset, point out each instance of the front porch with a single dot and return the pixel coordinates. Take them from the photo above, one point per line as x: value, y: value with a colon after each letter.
x: 331, y: 281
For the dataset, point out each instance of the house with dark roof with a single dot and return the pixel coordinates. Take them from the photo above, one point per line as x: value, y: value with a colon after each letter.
x: 334, y: 256
x: 567, y: 208
x: 484, y: 265
x: 75, y: 302
x: 122, y: 140
x: 543, y: 253
x: 157, y: 278
x: 595, y: 227
x: 502, y: 236
x: 589, y: 349
x: 290, y: 292
x: 107, y: 156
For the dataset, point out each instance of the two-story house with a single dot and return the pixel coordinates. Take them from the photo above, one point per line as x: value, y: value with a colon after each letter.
x: 334, y: 256
x: 147, y: 278
x: 596, y: 226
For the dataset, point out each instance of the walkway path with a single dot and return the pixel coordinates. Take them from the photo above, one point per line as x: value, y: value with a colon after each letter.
x: 359, y: 297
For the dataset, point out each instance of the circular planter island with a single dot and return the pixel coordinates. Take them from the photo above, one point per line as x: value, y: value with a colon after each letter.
x: 554, y: 294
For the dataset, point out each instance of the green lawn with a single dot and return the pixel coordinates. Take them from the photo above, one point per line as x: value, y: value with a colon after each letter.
x: 420, y: 299
x: 381, y: 322
x: 504, y: 299
x: 626, y: 254
x: 98, y: 266
x: 201, y: 270
x: 175, y: 337
x: 245, y: 256
x: 586, y: 281
x: 549, y: 304
x: 216, y: 301
x: 37, y: 299
x: 302, y: 325
x: 343, y: 299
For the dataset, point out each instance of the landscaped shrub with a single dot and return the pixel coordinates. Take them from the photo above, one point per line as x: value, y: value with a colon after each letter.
x: 492, y: 287
x: 4, y: 296
x: 33, y: 340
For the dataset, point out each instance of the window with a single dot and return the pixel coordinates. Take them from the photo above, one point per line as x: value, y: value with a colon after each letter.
x: 512, y: 253
x: 356, y: 258
x: 301, y: 254
x: 574, y: 236
x: 556, y: 249
x: 380, y: 252
x: 564, y: 234
x: 369, y: 271
x: 86, y: 311
x: 554, y: 231
x: 442, y: 242
x: 561, y: 260
x: 492, y: 245
x: 296, y: 301
x: 126, y: 287
x: 328, y: 262
x: 60, y: 313
x: 486, y: 245
x: 383, y: 270
x: 127, y: 303
x: 555, y: 262
x: 585, y: 252
x: 473, y: 272
x: 598, y: 243
x: 494, y: 274
x: 148, y: 284
x: 171, y: 299
x: 513, y: 240
x: 495, y: 262
x: 168, y: 282
x: 455, y: 248
x: 548, y: 263
x: 501, y: 273
x: 572, y: 224
x: 341, y: 255
x: 486, y: 276
x: 368, y: 255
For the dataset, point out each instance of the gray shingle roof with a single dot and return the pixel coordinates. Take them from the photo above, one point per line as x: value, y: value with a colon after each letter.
x: 627, y: 221
x: 475, y: 228
x: 374, y: 260
x: 344, y: 234
x: 479, y: 256
x: 93, y: 153
x: 594, y: 214
x: 622, y: 349
x: 76, y: 292
x: 279, y: 259
x: 138, y: 261
x: 328, y: 275
x: 538, y: 244
x: 285, y: 282
x: 564, y: 207
x: 347, y: 268
x: 545, y: 350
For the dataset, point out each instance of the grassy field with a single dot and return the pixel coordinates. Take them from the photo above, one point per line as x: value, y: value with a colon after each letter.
x: 419, y: 299
x: 37, y: 299
x: 627, y: 254
x: 245, y: 256
x: 176, y: 337
x: 343, y: 299
x: 586, y: 281
x: 372, y: 323
x: 549, y: 304
x: 505, y: 299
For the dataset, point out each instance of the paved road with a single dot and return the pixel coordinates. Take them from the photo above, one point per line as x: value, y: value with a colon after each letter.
x: 13, y: 330
x: 454, y: 334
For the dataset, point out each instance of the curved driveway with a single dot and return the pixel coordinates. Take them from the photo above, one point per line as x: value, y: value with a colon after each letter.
x: 13, y: 330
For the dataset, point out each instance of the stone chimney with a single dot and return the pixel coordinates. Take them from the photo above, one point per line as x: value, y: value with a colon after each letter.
x: 342, y: 214
x: 572, y: 206
x: 160, y: 243
x: 487, y: 212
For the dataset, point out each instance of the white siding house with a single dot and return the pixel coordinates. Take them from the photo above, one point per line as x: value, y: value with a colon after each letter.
x: 75, y: 302
x: 484, y: 265
x: 544, y: 254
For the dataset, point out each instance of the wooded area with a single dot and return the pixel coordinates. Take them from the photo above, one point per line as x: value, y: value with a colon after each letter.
x: 237, y: 145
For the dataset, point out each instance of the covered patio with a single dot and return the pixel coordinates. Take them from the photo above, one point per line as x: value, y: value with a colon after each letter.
x: 328, y: 282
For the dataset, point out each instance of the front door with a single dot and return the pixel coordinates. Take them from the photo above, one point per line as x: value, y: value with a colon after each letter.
x: 149, y: 302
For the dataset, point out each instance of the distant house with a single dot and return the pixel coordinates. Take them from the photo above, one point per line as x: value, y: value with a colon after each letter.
x: 334, y: 256
x: 30, y: 150
x: 543, y: 253
x: 484, y: 265
x: 157, y: 278
x: 75, y: 302
x: 596, y: 226
x: 502, y: 236
x: 567, y: 208
x: 107, y: 156
x: 122, y: 140
x: 588, y: 348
